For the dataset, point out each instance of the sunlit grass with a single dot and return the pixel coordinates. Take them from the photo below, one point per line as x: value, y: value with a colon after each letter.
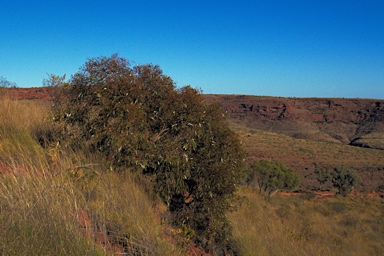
x: 37, y: 218
x: 47, y: 193
x: 20, y: 124
x: 305, y: 225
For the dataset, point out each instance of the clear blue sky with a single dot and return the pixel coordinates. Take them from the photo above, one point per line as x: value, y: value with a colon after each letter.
x: 313, y: 48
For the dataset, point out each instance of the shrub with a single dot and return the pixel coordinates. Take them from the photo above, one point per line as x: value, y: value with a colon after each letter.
x: 139, y: 120
x: 272, y: 176
x: 344, y: 180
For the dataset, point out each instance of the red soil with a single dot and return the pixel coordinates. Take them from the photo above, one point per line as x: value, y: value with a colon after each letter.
x: 39, y: 93
x: 325, y: 194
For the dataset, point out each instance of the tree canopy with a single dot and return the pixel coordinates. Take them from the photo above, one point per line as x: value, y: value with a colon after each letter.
x: 140, y: 121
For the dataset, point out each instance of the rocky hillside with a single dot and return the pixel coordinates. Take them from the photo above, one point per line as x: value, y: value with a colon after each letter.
x: 358, y: 122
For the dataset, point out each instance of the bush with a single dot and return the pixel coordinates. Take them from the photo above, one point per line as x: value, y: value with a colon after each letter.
x: 139, y: 120
x: 344, y: 180
x: 272, y: 176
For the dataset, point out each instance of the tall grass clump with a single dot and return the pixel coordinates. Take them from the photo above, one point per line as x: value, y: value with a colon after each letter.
x: 21, y: 123
x: 36, y: 215
x: 82, y: 210
x: 37, y: 218
x: 123, y: 211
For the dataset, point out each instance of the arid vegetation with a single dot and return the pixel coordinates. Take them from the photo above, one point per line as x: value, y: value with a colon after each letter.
x: 271, y: 177
x: 60, y: 201
x: 138, y: 122
x: 306, y: 224
x: 305, y: 155
x: 141, y: 168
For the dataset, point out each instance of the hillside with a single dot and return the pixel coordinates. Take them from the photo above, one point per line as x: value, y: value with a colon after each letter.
x: 302, y: 132
x: 357, y: 122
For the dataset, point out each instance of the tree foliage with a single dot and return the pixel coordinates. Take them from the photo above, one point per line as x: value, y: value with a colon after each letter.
x: 344, y: 179
x: 272, y: 176
x: 139, y: 120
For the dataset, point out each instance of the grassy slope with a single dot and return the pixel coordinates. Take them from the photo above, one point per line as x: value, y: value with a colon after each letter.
x: 44, y: 193
x: 301, y: 154
x: 57, y: 202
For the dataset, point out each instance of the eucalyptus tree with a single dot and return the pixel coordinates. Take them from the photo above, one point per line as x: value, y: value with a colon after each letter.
x: 140, y: 121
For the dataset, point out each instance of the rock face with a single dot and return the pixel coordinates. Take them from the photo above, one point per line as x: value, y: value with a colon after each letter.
x: 347, y: 121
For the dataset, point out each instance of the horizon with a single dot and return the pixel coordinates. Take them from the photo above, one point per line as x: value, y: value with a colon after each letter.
x: 298, y: 49
x: 239, y: 95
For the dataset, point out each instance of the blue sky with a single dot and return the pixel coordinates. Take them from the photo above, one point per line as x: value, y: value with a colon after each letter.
x: 313, y: 48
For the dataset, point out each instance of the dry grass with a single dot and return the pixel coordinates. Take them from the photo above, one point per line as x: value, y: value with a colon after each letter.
x: 375, y: 140
x: 37, y: 218
x: 121, y: 207
x: 306, y: 225
x: 19, y: 124
x: 54, y: 201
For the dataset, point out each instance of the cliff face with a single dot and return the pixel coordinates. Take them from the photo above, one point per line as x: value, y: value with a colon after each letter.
x: 349, y: 121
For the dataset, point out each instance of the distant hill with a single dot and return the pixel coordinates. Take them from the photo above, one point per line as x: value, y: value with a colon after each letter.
x: 358, y: 122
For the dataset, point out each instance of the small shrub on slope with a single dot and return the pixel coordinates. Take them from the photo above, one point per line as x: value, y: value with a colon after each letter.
x: 344, y: 180
x: 272, y: 176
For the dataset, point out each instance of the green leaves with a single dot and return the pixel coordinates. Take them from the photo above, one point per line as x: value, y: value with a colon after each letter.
x: 139, y: 121
x: 344, y: 180
x: 272, y: 176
